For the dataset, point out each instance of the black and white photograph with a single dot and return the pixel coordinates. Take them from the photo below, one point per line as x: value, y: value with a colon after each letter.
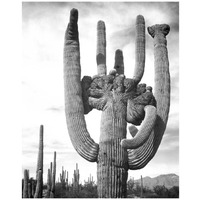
x: 100, y: 100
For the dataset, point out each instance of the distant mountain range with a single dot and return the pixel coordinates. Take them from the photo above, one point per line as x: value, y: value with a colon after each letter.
x: 168, y: 180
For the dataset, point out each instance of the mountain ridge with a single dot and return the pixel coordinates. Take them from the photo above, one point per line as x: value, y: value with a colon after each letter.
x: 168, y: 180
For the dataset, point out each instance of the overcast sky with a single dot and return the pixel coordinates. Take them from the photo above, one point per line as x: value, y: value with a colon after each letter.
x: 43, y: 28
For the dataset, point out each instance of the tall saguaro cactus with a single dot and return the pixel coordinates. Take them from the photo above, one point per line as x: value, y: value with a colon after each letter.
x: 121, y: 100
x: 39, y: 172
x: 53, y: 179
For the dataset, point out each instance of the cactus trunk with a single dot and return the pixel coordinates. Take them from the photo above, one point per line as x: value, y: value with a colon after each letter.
x: 39, y: 172
x: 25, y: 188
x: 48, y: 183
x: 52, y: 194
x: 113, y: 159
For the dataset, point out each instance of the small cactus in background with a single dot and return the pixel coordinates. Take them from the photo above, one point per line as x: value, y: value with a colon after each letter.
x: 141, y: 192
x: 121, y: 100
x: 49, y: 177
x: 39, y: 171
x: 64, y: 178
x: 25, y: 184
x: 75, y: 180
x: 52, y: 193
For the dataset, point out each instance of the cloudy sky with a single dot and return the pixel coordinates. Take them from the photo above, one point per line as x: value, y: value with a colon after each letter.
x: 43, y: 27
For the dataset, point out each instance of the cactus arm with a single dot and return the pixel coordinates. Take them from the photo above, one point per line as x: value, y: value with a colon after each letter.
x: 101, y: 48
x: 74, y: 108
x: 139, y: 157
x: 119, y: 61
x: 139, y: 49
x: 146, y: 128
x: 135, y: 106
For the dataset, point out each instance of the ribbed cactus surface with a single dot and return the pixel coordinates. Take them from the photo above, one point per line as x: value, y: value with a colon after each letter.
x: 139, y: 48
x: 121, y: 100
x: 101, y: 48
x: 119, y: 62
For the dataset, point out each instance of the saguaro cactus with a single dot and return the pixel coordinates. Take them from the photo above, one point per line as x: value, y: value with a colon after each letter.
x: 121, y: 100
x: 63, y: 178
x: 39, y: 171
x: 25, y: 184
x: 76, y: 179
x: 53, y: 180
x: 141, y: 192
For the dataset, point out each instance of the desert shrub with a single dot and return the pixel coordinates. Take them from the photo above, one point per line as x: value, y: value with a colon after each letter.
x: 161, y: 191
x: 174, y: 192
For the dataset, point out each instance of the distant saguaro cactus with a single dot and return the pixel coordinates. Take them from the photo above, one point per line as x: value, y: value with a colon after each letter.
x: 49, y: 177
x: 76, y: 179
x: 63, y: 178
x: 25, y: 184
x: 53, y: 180
x: 39, y: 171
x: 121, y: 100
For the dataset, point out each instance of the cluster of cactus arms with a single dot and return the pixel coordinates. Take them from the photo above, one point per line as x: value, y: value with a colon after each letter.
x: 75, y: 180
x: 64, y: 178
x: 122, y: 100
x: 28, y: 185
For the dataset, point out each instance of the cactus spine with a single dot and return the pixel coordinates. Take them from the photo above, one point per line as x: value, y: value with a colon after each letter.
x: 121, y: 100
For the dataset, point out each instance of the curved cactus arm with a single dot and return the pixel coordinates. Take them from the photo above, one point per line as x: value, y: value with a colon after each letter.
x: 139, y: 49
x: 135, y: 107
x: 146, y: 128
x: 101, y: 48
x: 138, y: 158
x: 74, y: 109
x: 119, y: 61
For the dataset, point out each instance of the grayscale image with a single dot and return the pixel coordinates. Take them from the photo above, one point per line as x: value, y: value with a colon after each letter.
x: 100, y: 100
